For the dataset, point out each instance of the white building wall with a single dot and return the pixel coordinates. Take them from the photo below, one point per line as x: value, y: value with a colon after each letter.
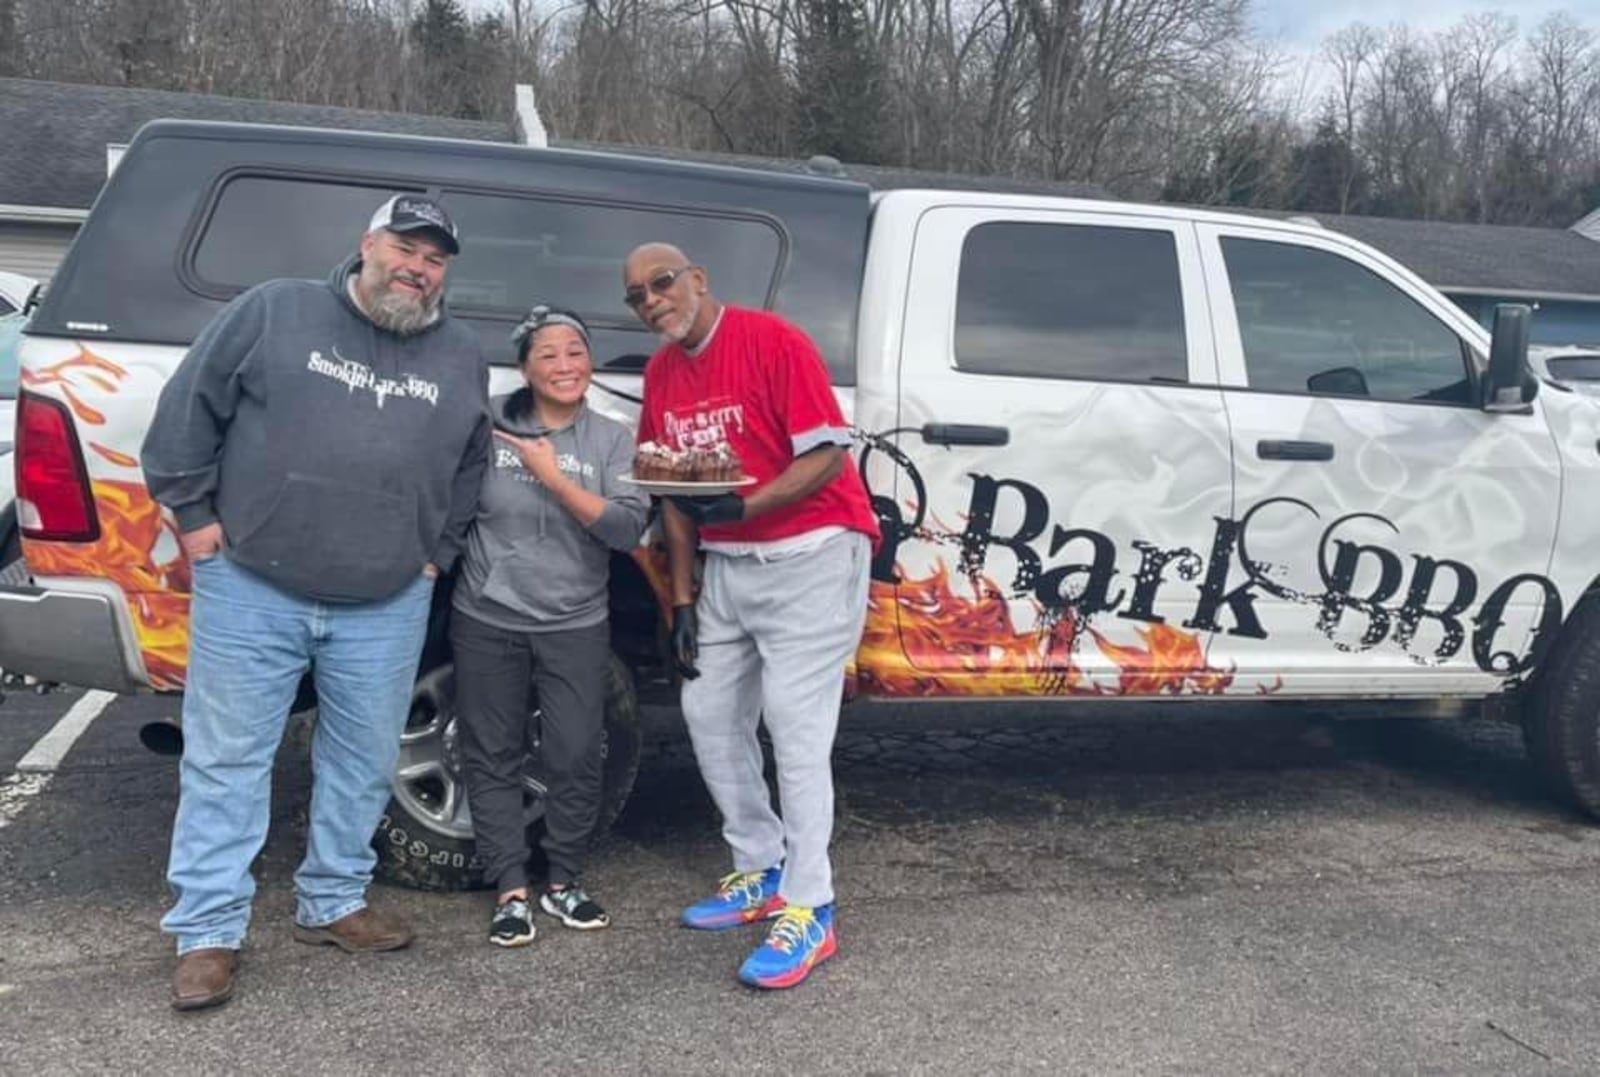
x: 1589, y: 227
x: 34, y: 248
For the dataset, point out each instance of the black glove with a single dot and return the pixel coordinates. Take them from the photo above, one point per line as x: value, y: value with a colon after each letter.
x: 685, y: 641
x: 716, y: 509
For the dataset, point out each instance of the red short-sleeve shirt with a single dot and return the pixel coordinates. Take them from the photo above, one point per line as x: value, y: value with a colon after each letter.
x: 760, y: 387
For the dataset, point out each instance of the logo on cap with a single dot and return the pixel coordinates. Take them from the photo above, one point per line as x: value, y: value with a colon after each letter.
x: 410, y: 212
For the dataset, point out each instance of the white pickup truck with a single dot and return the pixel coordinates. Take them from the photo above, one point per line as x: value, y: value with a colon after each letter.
x: 1117, y: 450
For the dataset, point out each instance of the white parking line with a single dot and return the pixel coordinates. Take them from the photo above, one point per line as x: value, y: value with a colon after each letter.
x: 35, y: 770
x: 49, y: 750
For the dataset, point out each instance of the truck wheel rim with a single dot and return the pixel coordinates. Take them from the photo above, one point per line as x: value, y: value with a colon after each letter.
x: 428, y: 779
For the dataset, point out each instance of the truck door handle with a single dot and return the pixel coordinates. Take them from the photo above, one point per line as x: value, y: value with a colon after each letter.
x: 964, y: 434
x: 1294, y: 450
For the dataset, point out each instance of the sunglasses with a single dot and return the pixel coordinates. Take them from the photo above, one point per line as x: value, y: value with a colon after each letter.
x: 658, y: 285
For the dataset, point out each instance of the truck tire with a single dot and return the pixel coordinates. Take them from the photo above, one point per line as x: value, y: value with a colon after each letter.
x: 1561, y: 719
x: 424, y: 839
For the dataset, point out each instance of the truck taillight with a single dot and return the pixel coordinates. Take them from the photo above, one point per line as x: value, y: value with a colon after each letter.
x: 54, y: 502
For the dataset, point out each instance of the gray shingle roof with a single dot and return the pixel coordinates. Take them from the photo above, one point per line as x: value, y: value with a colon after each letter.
x: 55, y: 133
x: 1485, y: 259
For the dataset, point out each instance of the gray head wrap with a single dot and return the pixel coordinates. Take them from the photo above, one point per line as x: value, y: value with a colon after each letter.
x: 541, y: 316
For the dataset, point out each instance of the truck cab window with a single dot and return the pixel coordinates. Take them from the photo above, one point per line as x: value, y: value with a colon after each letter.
x: 1043, y: 300
x: 1312, y: 321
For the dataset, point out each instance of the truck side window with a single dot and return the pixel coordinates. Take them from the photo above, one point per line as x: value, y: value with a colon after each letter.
x: 266, y: 227
x: 517, y: 251
x: 1041, y: 300
x: 1312, y: 321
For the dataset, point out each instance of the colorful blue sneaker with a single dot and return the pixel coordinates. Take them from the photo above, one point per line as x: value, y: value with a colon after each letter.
x: 801, y: 940
x: 741, y: 898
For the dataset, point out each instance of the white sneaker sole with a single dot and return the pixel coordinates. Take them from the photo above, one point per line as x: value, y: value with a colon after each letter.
x: 514, y: 940
x: 578, y: 925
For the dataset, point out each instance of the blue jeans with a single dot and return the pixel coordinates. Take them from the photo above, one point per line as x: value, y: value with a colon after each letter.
x: 250, y: 643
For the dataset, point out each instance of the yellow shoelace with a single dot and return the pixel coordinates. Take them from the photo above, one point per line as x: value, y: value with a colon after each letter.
x: 744, y: 884
x: 792, y: 929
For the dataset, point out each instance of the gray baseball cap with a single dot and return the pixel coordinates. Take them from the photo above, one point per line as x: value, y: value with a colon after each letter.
x: 413, y: 212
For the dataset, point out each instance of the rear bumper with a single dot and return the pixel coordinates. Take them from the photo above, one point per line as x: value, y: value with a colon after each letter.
x: 76, y: 631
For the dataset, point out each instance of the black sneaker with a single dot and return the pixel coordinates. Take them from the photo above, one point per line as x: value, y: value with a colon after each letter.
x: 512, y: 924
x: 574, y: 908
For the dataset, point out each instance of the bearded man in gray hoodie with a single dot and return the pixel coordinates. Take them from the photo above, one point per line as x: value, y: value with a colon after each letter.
x: 321, y: 447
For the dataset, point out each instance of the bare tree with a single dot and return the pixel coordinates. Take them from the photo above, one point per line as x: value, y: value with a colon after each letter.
x: 1480, y: 45
x: 1138, y: 96
x: 1562, y: 89
x: 1350, y: 52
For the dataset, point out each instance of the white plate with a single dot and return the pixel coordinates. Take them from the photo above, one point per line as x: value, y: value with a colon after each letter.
x: 690, y: 489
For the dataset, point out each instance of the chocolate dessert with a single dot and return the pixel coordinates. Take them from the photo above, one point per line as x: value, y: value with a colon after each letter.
x: 654, y: 462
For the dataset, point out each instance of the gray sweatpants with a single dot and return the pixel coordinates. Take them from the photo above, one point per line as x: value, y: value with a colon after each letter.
x: 775, y: 636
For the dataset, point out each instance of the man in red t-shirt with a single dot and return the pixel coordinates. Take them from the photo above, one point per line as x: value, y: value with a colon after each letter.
x: 782, y: 599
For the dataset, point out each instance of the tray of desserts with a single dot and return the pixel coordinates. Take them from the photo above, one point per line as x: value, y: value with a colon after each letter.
x: 689, y: 489
x: 687, y: 472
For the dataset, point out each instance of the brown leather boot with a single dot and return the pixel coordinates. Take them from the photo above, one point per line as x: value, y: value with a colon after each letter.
x: 363, y: 931
x: 203, y: 978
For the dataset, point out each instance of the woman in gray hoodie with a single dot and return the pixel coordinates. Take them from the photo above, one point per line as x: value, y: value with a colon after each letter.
x: 531, y: 607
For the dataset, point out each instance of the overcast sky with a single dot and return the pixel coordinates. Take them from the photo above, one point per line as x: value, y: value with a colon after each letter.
x: 1307, y: 22
x: 1298, y: 28
x: 1304, y: 23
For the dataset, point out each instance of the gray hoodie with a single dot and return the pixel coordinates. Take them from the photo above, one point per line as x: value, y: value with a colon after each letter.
x: 339, y: 458
x: 530, y: 566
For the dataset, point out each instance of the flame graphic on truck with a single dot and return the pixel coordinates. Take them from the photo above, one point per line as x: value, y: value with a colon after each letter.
x: 924, y: 639
x: 131, y: 527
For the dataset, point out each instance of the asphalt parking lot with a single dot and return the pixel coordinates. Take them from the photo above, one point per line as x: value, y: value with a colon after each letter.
x: 1120, y: 895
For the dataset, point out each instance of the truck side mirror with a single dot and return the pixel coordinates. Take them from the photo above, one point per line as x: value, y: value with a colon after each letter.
x: 1509, y: 385
x: 1340, y: 381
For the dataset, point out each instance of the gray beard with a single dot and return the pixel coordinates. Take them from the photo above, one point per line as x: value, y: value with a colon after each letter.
x: 394, y: 313
x: 685, y: 323
x: 401, y: 316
